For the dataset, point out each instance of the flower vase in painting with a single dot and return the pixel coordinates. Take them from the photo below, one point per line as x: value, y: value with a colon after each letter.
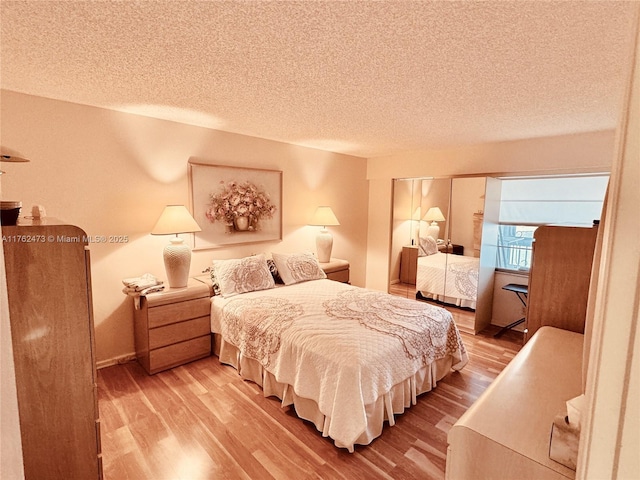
x: 240, y: 206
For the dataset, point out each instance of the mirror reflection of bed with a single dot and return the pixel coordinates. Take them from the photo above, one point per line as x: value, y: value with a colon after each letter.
x: 450, y: 281
x: 447, y: 278
x: 439, y: 265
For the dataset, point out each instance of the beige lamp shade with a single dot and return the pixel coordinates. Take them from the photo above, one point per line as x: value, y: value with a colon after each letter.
x: 176, y: 219
x: 324, y: 217
x: 433, y: 215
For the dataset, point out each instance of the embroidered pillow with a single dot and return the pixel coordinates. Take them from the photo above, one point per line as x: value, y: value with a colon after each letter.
x: 298, y: 267
x: 428, y: 246
x: 243, y: 275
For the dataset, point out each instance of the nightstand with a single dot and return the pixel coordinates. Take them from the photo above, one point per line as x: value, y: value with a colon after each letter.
x: 336, y: 269
x: 173, y: 327
x: 451, y: 248
x: 409, y: 264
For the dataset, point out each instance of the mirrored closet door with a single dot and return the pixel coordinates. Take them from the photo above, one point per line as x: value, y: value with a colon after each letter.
x: 437, y: 226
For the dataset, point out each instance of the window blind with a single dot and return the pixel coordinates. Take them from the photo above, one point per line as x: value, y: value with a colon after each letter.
x: 575, y: 200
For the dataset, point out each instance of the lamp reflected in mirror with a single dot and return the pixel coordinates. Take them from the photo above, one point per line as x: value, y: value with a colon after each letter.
x: 433, y: 215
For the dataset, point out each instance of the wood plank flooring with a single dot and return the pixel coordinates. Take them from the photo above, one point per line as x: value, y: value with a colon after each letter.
x: 202, y: 421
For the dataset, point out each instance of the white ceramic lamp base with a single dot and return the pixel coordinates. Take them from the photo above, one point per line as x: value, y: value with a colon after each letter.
x: 433, y: 230
x: 324, y: 244
x: 177, y: 260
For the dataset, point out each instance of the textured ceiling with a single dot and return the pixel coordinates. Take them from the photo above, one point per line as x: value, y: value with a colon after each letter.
x: 358, y: 77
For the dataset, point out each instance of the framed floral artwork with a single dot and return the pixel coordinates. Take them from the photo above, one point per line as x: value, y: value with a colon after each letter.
x: 234, y: 205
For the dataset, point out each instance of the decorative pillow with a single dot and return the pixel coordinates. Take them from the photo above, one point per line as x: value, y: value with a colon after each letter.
x: 428, y: 246
x: 298, y: 267
x: 215, y: 285
x: 209, y: 277
x: 242, y: 275
x: 274, y: 271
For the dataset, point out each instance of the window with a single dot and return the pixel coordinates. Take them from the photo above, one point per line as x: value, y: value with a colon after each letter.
x: 553, y: 200
x: 526, y: 203
x: 515, y: 246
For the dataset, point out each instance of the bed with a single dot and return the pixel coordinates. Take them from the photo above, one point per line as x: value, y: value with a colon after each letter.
x: 347, y: 358
x: 448, y: 278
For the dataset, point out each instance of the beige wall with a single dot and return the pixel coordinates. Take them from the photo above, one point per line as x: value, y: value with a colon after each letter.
x: 610, y: 437
x: 586, y: 152
x: 111, y: 173
x: 580, y: 153
x: 506, y: 308
x: 379, y: 234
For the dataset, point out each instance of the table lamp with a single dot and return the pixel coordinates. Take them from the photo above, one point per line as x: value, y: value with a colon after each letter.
x: 433, y: 215
x: 176, y: 219
x: 324, y: 217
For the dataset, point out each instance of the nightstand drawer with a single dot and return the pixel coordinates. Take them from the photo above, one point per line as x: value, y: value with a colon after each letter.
x: 336, y: 269
x: 178, y: 332
x: 339, y: 276
x: 175, y: 312
x: 179, y: 353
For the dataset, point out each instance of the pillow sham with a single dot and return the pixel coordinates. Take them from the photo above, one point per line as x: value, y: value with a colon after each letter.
x: 215, y: 285
x: 208, y: 277
x: 428, y: 246
x: 242, y: 275
x: 274, y: 271
x: 297, y: 267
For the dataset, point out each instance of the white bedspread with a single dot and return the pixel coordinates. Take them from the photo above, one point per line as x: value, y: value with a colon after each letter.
x: 340, y: 346
x: 449, y: 278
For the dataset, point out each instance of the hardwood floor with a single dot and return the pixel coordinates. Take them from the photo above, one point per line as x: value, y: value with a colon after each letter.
x: 202, y: 421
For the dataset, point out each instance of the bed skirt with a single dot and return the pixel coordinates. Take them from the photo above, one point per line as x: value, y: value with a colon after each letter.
x: 458, y: 302
x: 394, y: 402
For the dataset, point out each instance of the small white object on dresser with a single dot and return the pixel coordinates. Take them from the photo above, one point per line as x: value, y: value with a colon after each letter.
x: 173, y: 327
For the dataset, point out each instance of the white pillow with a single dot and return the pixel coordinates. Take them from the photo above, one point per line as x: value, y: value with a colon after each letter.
x: 243, y: 275
x: 428, y: 246
x: 298, y: 267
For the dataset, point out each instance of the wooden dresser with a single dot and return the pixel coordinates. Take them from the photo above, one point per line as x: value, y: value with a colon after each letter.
x: 560, y: 277
x: 51, y: 314
x: 173, y: 327
x: 506, y: 433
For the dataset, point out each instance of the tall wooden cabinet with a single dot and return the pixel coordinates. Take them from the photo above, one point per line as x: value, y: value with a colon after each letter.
x: 559, y: 278
x: 50, y: 307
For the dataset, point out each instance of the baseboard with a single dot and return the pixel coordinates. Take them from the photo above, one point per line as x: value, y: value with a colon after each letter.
x: 116, y: 361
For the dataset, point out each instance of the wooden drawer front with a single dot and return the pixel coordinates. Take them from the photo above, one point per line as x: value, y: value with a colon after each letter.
x: 179, y: 353
x: 177, y: 312
x: 339, y: 276
x: 179, y: 332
